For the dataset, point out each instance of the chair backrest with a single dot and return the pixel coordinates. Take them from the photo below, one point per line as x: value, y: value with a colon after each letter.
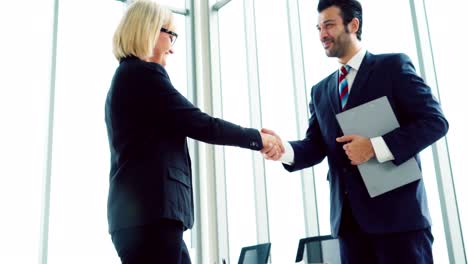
x: 257, y: 254
x: 320, y: 249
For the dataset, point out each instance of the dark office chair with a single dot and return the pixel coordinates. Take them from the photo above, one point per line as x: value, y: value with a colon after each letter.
x: 257, y: 254
x: 320, y: 249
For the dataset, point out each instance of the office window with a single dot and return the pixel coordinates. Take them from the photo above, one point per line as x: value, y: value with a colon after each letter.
x: 238, y: 163
x: 379, y: 35
x: 173, y: 3
x: 284, y: 191
x: 25, y: 67
x: 450, y: 65
x: 80, y: 163
x: 80, y: 171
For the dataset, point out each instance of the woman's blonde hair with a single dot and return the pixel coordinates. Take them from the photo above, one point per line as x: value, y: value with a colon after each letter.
x: 139, y: 29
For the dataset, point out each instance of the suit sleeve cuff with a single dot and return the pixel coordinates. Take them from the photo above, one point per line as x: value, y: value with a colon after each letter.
x: 382, y: 152
x: 255, y: 140
x: 288, y: 156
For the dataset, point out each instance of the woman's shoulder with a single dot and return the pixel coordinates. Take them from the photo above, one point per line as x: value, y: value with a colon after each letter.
x: 136, y: 65
x: 133, y: 71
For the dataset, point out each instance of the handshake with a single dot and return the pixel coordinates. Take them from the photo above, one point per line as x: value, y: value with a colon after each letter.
x: 359, y: 149
x: 273, y: 147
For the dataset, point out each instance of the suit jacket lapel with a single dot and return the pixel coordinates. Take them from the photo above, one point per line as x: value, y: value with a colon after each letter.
x: 332, y: 91
x: 359, y: 83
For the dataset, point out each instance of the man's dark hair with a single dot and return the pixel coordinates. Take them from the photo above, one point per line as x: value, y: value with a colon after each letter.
x: 349, y: 9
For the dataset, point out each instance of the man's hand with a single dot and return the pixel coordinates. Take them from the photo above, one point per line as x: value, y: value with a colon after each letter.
x: 358, y: 148
x: 273, y: 147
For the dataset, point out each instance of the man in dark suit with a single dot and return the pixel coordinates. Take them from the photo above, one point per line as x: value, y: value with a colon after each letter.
x: 393, y: 227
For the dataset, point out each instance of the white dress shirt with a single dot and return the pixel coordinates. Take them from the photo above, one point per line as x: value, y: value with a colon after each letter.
x: 382, y: 152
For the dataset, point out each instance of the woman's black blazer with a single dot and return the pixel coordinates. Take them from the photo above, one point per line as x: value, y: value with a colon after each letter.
x: 148, y: 122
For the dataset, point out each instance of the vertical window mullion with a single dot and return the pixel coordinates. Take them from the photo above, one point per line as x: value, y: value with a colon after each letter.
x: 219, y: 152
x: 261, y: 202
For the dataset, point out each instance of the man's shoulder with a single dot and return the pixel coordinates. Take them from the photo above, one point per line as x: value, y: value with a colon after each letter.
x: 389, y: 57
x: 386, y: 61
x: 323, y: 85
x: 325, y: 81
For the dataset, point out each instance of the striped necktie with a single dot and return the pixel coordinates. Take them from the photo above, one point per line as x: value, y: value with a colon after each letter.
x: 343, y: 85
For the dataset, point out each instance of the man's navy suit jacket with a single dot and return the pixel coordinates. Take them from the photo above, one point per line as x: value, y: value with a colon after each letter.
x: 421, y: 124
x: 148, y: 122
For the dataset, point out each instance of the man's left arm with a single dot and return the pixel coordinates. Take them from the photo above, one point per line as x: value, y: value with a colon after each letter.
x: 419, y: 114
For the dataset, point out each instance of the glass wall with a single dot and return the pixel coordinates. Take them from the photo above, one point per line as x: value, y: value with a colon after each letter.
x: 80, y: 160
x: 240, y: 196
x: 284, y: 189
x: 25, y: 70
x: 450, y: 66
x: 284, y: 193
x: 173, y: 3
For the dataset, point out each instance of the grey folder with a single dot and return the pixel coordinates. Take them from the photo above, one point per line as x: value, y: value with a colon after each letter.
x: 373, y: 119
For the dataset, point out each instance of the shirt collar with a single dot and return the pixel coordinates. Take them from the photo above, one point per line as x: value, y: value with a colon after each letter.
x: 356, y: 60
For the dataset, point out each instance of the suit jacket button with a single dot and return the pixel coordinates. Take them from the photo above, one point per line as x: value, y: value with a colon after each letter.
x: 344, y: 170
x: 253, y: 144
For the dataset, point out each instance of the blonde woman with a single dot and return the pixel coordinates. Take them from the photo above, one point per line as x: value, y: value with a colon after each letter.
x: 150, y: 200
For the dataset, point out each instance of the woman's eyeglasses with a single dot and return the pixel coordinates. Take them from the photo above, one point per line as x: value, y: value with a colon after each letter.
x: 172, y: 35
